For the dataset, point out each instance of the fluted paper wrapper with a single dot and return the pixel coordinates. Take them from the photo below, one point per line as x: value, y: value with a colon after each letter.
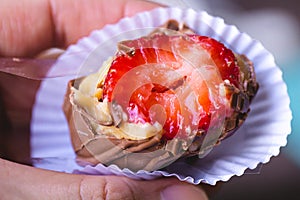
x: 264, y: 131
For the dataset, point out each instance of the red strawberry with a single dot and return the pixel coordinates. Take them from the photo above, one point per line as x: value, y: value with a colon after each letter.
x: 156, y: 106
x: 177, y: 73
x: 222, y: 56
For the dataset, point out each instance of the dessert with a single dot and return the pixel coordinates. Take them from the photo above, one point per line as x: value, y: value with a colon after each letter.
x: 164, y: 96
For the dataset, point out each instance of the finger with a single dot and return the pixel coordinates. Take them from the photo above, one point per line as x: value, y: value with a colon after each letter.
x: 30, y: 183
x: 38, y: 25
x: 75, y: 19
x: 25, y: 26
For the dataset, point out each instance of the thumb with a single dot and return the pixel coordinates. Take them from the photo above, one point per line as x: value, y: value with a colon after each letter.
x: 26, y: 182
x: 183, y: 191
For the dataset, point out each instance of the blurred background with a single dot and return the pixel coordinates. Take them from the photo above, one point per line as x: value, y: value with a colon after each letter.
x: 276, y: 24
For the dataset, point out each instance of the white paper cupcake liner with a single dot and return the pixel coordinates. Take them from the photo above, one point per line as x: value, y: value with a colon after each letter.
x: 261, y: 137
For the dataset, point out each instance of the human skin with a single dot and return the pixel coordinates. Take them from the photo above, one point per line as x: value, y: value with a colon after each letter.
x: 28, y: 183
x: 28, y: 27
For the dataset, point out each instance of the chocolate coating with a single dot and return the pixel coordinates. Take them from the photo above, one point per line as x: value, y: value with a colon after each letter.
x: 153, y: 153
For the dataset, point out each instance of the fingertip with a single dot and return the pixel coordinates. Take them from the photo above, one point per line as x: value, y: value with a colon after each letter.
x: 183, y: 191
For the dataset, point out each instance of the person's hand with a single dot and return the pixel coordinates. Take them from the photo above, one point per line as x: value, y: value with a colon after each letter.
x: 23, y: 182
x: 27, y: 28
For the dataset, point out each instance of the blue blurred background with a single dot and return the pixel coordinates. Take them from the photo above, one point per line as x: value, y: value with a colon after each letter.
x: 276, y: 24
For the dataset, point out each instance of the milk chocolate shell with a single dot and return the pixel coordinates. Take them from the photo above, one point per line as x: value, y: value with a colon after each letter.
x: 95, y: 145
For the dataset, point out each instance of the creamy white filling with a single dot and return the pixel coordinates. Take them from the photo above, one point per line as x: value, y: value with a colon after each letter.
x: 141, y: 130
x: 86, y: 96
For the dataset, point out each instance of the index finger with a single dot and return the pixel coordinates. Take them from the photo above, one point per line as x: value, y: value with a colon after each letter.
x: 38, y: 25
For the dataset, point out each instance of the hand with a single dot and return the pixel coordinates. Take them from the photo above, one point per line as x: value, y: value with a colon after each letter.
x: 29, y: 27
x: 34, y: 27
x: 29, y: 183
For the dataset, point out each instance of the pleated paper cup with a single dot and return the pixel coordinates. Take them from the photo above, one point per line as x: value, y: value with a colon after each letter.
x: 260, y: 137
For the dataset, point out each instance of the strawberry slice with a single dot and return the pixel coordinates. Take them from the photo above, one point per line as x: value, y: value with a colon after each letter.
x: 170, y: 80
x: 156, y: 106
x: 222, y: 56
